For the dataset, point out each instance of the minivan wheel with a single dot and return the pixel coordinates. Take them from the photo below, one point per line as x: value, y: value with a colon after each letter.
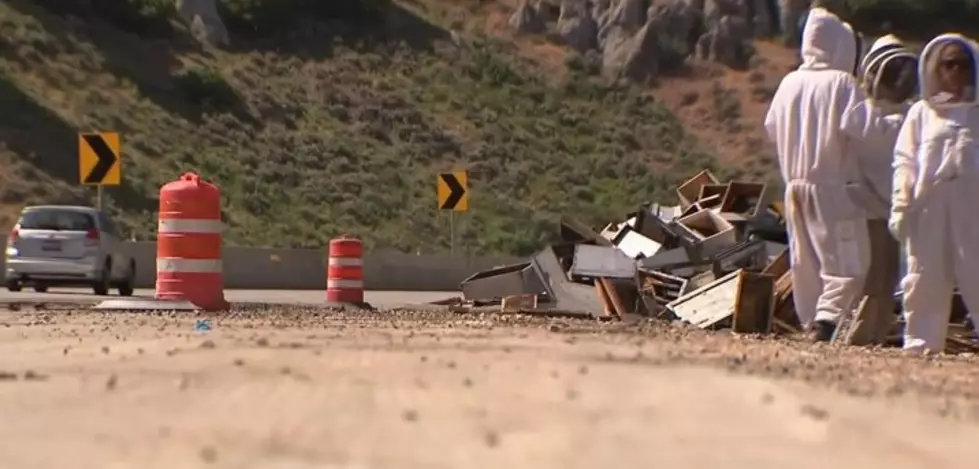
x: 41, y: 288
x: 101, y: 286
x: 128, y: 285
x: 14, y: 286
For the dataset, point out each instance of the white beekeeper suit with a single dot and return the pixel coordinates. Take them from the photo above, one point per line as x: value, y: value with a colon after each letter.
x: 888, y: 73
x: 815, y: 117
x: 934, y: 202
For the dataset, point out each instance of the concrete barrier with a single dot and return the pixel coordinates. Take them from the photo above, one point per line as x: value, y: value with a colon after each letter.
x: 305, y: 269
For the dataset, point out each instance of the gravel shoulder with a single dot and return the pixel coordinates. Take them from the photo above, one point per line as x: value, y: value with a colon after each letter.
x: 304, y: 388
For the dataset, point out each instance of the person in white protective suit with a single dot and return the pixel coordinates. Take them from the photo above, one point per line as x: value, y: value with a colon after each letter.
x: 936, y: 190
x: 815, y: 117
x: 889, y: 75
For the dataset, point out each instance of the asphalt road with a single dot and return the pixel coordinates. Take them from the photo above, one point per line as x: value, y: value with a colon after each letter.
x: 379, y: 299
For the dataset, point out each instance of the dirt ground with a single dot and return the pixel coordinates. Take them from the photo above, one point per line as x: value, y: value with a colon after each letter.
x: 305, y: 388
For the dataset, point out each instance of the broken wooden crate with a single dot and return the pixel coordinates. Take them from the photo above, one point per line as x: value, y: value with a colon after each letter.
x: 689, y: 191
x: 741, y: 300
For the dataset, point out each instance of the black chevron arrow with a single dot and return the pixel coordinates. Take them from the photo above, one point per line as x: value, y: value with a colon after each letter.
x: 105, y: 155
x: 456, y: 191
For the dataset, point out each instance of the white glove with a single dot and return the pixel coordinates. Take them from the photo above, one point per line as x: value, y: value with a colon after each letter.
x: 897, y: 226
x: 900, y: 200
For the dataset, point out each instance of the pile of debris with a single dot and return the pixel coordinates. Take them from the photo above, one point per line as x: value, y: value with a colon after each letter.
x: 719, y: 259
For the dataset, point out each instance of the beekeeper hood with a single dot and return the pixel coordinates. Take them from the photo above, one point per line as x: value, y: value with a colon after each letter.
x: 931, y: 65
x: 828, y: 43
x: 884, y: 53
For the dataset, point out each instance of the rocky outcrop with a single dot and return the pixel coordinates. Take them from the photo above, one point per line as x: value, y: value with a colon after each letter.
x: 627, y: 45
x: 728, y: 33
x: 761, y: 16
x: 790, y: 12
x: 727, y: 43
x: 640, y: 39
x: 528, y: 19
x: 205, y: 23
x: 576, y: 25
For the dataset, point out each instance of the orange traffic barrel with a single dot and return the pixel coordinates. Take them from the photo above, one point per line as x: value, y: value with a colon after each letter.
x: 188, y: 246
x: 345, y: 271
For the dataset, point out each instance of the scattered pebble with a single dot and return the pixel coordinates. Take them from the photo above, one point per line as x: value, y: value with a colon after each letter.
x: 410, y: 415
x: 111, y: 383
x: 262, y: 342
x: 208, y: 344
x: 209, y: 454
x: 31, y: 375
x: 814, y: 412
x: 239, y: 362
x: 105, y: 350
x: 492, y: 439
x: 8, y: 376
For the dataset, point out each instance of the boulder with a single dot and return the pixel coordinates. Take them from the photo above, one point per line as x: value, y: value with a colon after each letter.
x: 666, y: 36
x: 622, y: 17
x: 527, y: 19
x: 205, y: 23
x: 727, y: 42
x: 714, y: 10
x: 576, y: 26
x: 760, y: 15
x: 790, y: 11
x: 680, y: 25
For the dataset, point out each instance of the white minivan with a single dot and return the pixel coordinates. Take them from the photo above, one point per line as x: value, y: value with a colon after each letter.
x: 64, y: 245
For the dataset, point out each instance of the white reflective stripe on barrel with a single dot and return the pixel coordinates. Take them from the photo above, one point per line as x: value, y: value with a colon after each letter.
x: 189, y: 265
x: 176, y: 225
x: 337, y: 283
x: 346, y: 261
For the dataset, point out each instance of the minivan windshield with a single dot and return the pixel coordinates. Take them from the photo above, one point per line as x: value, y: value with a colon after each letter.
x: 54, y: 219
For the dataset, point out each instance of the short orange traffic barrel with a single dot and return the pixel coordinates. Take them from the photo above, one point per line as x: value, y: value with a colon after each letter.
x: 345, y: 271
x: 188, y: 246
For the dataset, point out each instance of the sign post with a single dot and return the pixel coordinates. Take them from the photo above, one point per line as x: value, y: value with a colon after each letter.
x: 453, y: 196
x: 99, y: 161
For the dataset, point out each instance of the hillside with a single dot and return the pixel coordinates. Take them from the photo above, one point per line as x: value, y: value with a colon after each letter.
x: 313, y: 136
x: 336, y: 119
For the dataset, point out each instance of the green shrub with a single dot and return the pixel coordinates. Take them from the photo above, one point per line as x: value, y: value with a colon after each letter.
x: 206, y: 87
x: 272, y: 16
x: 492, y: 68
x: 726, y: 105
x: 589, y: 63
